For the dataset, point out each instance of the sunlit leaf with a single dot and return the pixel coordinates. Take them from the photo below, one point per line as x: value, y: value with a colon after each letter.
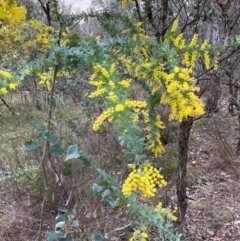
x: 60, y: 225
x: 72, y: 152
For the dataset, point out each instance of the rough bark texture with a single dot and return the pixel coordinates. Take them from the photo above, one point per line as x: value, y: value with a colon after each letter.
x: 213, y: 94
x: 184, y: 133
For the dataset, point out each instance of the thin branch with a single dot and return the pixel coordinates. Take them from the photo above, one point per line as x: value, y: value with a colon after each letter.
x: 6, y: 104
x: 47, y: 143
x: 220, y: 61
x: 163, y: 17
x: 46, y: 10
x: 197, y: 15
x: 138, y: 10
x: 149, y: 13
x: 234, y: 23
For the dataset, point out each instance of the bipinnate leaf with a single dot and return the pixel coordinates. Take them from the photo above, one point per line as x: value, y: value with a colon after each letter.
x: 97, y: 190
x: 106, y: 195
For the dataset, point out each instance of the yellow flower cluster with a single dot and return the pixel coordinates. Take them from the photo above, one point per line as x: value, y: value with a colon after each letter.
x: 143, y: 50
x: 153, y: 134
x: 180, y: 94
x: 139, y: 104
x: 139, y: 235
x: 10, y: 13
x: 45, y: 79
x: 39, y: 37
x: 112, y: 96
x: 98, y: 92
x: 105, y: 115
x: 193, y: 41
x: 124, y: 2
x: 99, y: 69
x: 190, y: 55
x: 5, y: 74
x: 3, y: 90
x: 104, y: 78
x: 119, y: 108
x: 111, y: 84
x: 163, y: 212
x: 216, y: 62
x: 27, y: 71
x: 127, y: 63
x: 125, y: 83
x: 179, y: 42
x: 168, y: 83
x: 154, y: 143
x: 13, y: 86
x: 145, y: 113
x: 146, y: 65
x: 206, y: 60
x: 12, y: 19
x: 175, y: 26
x: 205, y: 45
x: 145, y: 179
x: 98, y: 38
x: 194, y: 58
x: 186, y: 59
x: 101, y: 79
x: 6, y: 85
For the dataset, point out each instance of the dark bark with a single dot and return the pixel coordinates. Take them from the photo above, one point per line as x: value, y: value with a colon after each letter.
x: 238, y: 143
x: 138, y: 11
x: 183, y: 138
x: 46, y: 10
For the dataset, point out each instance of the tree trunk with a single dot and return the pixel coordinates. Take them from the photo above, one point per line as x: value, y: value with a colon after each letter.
x: 183, y: 138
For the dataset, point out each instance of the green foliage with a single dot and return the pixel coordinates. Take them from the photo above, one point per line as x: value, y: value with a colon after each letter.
x: 31, y: 145
x: 66, y: 227
x: 43, y: 136
x: 127, y: 57
x: 72, y: 152
x: 104, y: 194
x: 143, y: 215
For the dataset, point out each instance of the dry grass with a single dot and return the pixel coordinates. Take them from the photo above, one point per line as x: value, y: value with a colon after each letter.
x: 213, y: 174
x: 19, y: 207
